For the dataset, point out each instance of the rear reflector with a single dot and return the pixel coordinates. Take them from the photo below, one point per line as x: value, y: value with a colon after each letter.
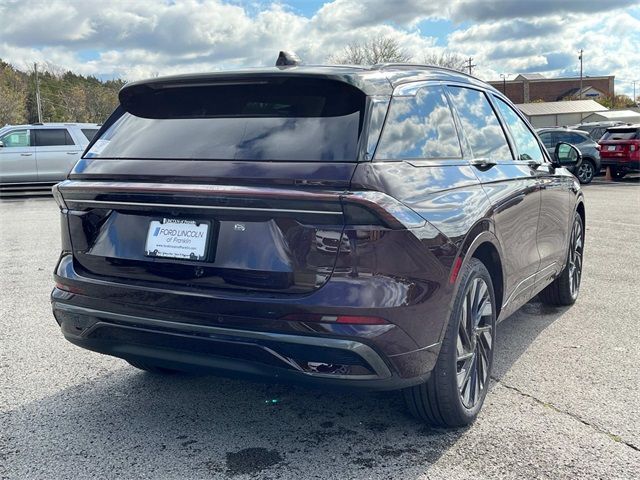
x: 455, y: 270
x: 342, y: 319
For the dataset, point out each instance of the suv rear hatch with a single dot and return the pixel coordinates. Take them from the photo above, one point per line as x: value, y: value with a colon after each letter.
x: 235, y: 184
x: 621, y: 143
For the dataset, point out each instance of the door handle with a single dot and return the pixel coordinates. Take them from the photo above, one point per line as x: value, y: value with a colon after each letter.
x: 483, y: 162
x: 72, y: 153
x: 26, y: 154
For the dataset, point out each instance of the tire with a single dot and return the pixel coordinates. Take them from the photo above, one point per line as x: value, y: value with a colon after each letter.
x: 617, y: 173
x: 564, y: 289
x: 586, y: 171
x: 149, y: 367
x: 445, y: 398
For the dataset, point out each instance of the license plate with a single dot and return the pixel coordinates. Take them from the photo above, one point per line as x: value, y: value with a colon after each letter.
x: 611, y: 147
x: 173, y: 238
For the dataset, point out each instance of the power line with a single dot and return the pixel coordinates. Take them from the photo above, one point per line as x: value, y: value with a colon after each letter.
x: 470, y: 65
x: 35, y: 68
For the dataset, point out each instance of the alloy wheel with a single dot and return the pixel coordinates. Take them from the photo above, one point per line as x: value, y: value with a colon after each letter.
x: 575, y: 258
x: 475, y: 342
x: 585, y: 172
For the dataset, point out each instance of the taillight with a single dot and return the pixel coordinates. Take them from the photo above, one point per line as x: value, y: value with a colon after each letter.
x: 342, y: 319
x: 57, y: 196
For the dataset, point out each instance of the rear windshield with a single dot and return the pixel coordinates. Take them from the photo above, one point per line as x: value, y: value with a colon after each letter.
x: 280, y: 120
x: 622, y: 134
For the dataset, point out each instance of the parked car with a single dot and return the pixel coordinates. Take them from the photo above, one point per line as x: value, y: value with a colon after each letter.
x: 41, y: 154
x: 590, y: 150
x: 595, y: 129
x: 200, y: 230
x: 620, y: 149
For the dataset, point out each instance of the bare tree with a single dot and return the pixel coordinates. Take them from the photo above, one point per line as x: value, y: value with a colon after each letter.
x: 370, y: 52
x: 446, y: 59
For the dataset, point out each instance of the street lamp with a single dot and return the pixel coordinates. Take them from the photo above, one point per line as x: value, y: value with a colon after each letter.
x: 503, y: 76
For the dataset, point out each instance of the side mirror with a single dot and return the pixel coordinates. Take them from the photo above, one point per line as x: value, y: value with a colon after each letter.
x: 1, y: 144
x: 566, y: 155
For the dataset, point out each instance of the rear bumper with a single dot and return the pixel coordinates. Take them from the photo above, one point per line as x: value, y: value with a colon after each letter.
x: 621, y: 162
x: 231, y: 352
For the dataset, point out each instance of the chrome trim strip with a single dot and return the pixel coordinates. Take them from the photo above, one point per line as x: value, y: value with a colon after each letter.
x: 518, y: 289
x: 415, y: 351
x: 188, y: 188
x: 193, y: 207
x: 364, y: 351
x: 394, y: 212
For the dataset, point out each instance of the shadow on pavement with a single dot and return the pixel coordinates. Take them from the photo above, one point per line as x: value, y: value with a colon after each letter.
x: 130, y: 423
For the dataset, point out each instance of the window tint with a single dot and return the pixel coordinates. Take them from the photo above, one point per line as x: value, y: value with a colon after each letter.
x: 480, y: 124
x: 526, y: 143
x: 16, y: 138
x: 569, y: 137
x: 287, y: 119
x: 548, y: 138
x: 419, y: 126
x: 48, y: 137
x: 622, y: 134
x: 89, y: 133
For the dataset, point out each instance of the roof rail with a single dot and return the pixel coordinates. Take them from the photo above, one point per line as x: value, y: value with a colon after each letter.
x: 383, y: 66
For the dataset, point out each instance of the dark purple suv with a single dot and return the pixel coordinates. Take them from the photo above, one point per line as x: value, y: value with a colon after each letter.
x: 364, y: 227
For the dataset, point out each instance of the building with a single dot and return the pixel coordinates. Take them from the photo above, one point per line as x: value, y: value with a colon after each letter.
x: 551, y: 114
x: 533, y: 87
x: 627, y: 116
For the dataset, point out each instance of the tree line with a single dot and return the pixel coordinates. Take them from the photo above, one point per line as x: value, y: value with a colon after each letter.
x: 64, y: 96
x: 69, y: 97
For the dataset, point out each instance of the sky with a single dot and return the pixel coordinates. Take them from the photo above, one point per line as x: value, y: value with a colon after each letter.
x: 134, y: 39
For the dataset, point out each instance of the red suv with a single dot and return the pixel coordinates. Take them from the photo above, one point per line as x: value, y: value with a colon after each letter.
x: 620, y: 149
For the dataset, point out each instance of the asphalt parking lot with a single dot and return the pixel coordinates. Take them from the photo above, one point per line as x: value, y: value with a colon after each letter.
x: 563, y: 403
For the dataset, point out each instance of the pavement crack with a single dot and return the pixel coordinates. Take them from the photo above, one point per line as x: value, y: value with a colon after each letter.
x: 612, y: 436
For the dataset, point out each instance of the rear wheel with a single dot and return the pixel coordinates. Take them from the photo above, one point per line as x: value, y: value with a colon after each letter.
x: 564, y: 289
x: 586, y: 171
x: 149, y: 367
x: 455, y: 391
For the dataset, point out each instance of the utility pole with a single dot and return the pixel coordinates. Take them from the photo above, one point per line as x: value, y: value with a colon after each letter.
x: 635, y: 99
x: 39, y: 106
x: 469, y: 65
x: 503, y: 76
x: 580, y: 58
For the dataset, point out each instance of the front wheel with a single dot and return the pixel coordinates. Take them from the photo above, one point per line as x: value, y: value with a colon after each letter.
x: 455, y: 391
x: 564, y: 289
x: 586, y: 171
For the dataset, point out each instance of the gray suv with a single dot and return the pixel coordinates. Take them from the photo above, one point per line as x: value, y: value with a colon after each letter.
x: 41, y: 154
x: 589, y: 148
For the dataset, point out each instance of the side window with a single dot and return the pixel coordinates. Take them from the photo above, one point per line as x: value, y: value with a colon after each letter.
x: 481, y: 127
x: 89, y: 133
x: 576, y: 138
x: 549, y: 139
x: 526, y: 143
x: 16, y: 138
x: 419, y: 127
x: 49, y: 137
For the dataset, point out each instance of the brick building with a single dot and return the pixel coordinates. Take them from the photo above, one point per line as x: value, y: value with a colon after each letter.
x: 534, y: 87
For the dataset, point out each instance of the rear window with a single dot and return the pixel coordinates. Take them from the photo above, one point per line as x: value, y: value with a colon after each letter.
x: 281, y: 120
x: 89, y: 133
x: 52, y: 137
x: 622, y: 134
